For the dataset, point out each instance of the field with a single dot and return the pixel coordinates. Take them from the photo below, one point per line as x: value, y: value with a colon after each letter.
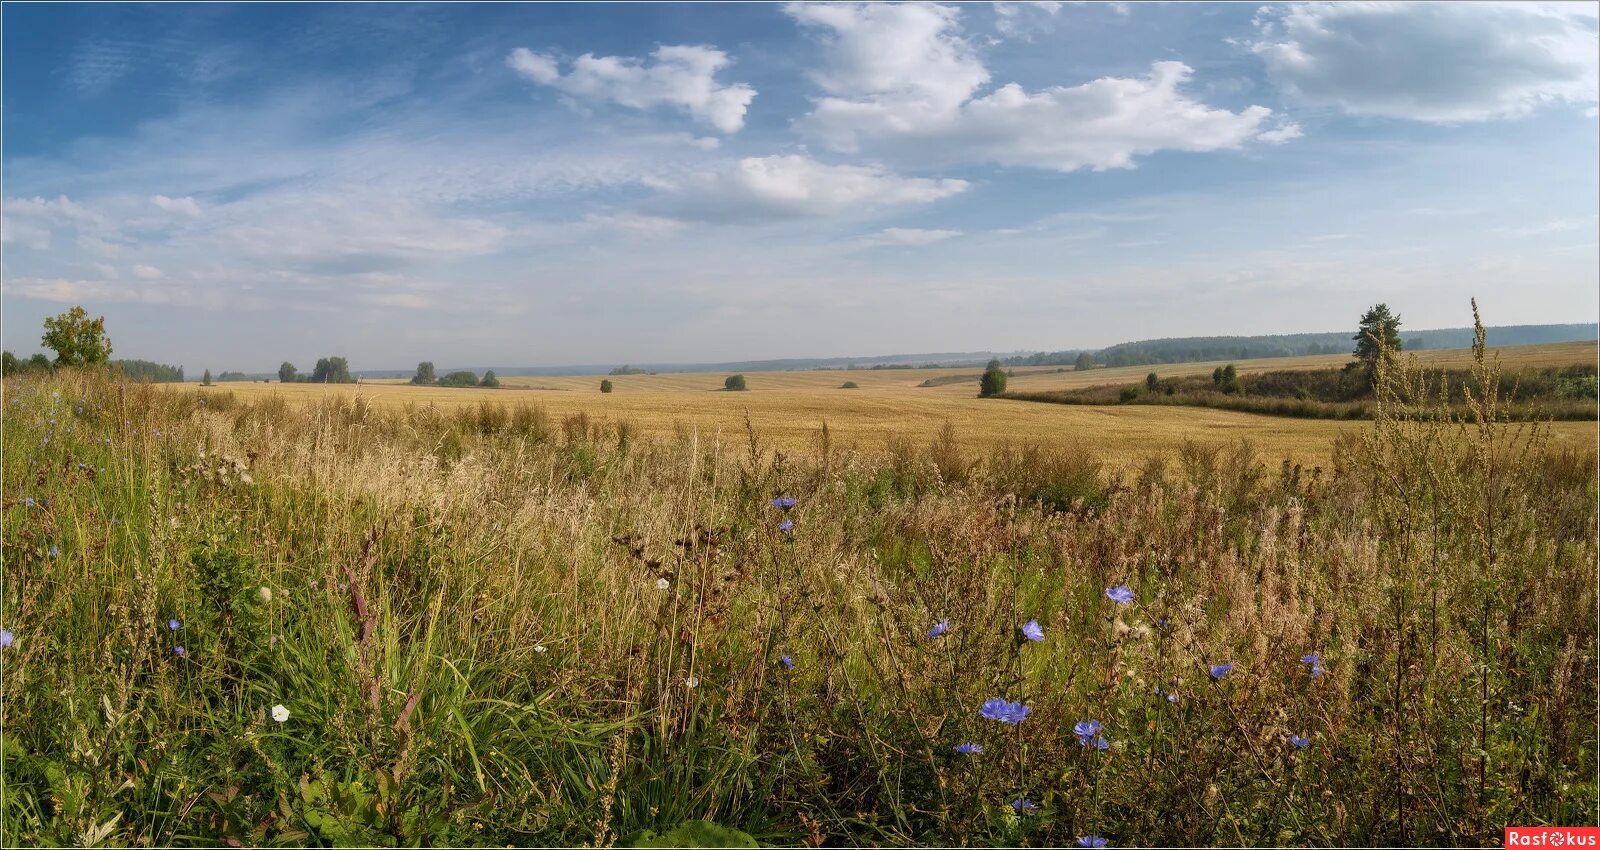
x: 788, y: 409
x: 233, y: 620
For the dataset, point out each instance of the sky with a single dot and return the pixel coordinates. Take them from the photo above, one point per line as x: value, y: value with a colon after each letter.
x: 232, y: 186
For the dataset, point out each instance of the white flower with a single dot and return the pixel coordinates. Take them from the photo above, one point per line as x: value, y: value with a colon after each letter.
x: 265, y: 595
x: 662, y: 584
x: 280, y: 714
x: 692, y: 682
x: 539, y: 648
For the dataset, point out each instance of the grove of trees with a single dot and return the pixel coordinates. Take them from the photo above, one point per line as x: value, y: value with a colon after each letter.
x: 993, y: 382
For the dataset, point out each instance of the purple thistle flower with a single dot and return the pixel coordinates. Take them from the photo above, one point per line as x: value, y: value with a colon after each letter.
x: 180, y: 651
x: 1023, y: 804
x: 1032, y: 631
x: 1220, y: 670
x: 964, y: 749
x: 1005, y: 712
x: 784, y: 502
x: 786, y: 661
x: 6, y: 637
x: 1299, y: 742
x: 786, y: 526
x: 1091, y: 841
x: 1119, y: 594
x: 173, y: 625
x: 939, y: 628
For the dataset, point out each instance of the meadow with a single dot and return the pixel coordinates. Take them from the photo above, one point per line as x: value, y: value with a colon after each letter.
x: 284, y: 616
x: 891, y: 408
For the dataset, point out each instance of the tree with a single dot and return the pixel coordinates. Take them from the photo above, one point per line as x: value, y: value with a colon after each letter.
x: 605, y: 385
x: 39, y: 362
x: 424, y: 374
x: 76, y: 339
x: 332, y: 370
x: 1227, y: 379
x: 286, y: 373
x: 205, y: 380
x: 994, y: 380
x: 1379, y: 335
x: 459, y: 379
x: 489, y: 380
x: 1151, y: 382
x: 1085, y: 362
x: 734, y: 383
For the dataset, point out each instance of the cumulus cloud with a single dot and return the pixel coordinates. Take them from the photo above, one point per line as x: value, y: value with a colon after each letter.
x: 146, y: 272
x: 792, y: 186
x: 1436, y: 62
x: 179, y: 206
x: 902, y: 83
x: 909, y: 236
x: 681, y: 76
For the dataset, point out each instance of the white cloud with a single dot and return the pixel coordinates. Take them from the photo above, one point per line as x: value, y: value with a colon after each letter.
x: 1437, y: 62
x: 901, y: 83
x: 909, y: 236
x: 681, y: 76
x: 793, y: 186
x: 64, y: 290
x: 1019, y: 20
x: 147, y: 272
x: 185, y: 206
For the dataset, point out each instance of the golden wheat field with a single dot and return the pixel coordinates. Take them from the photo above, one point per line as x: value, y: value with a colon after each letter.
x: 789, y: 409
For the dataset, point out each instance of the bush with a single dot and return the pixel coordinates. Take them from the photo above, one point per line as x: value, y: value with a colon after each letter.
x: 489, y: 380
x: 459, y: 379
x: 849, y: 385
x: 605, y: 385
x: 734, y: 383
x: 1128, y: 394
x: 993, y: 383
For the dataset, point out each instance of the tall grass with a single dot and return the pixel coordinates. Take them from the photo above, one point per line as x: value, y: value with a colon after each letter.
x: 464, y: 616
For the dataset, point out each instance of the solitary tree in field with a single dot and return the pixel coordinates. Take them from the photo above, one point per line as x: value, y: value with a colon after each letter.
x: 605, y: 385
x: 424, y: 374
x: 76, y: 339
x: 332, y: 370
x: 286, y: 373
x: 734, y: 383
x: 489, y: 380
x: 1085, y: 362
x: 205, y: 380
x: 994, y: 380
x: 1379, y: 332
x: 1152, y: 381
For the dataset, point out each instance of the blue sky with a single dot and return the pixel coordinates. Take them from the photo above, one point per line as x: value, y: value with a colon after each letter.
x: 232, y: 186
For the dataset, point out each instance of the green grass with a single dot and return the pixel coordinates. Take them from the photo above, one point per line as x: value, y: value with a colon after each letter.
x: 464, y: 621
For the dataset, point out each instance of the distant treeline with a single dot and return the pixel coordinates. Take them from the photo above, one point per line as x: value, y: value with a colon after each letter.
x: 1191, y: 349
x: 329, y: 370
x: 426, y: 377
x: 137, y: 370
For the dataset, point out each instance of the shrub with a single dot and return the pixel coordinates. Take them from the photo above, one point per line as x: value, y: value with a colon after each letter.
x: 605, y: 385
x: 734, y: 383
x: 994, y: 381
x: 459, y: 379
x: 849, y: 385
x: 489, y: 380
x: 1128, y: 394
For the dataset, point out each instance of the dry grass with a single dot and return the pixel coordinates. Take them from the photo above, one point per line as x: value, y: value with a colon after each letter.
x: 788, y: 409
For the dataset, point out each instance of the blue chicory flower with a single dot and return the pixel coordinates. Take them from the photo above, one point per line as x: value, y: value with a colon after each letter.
x: 1220, y: 670
x: 28, y: 502
x: 180, y: 651
x: 1314, y: 661
x: 786, y: 661
x: 1032, y: 630
x: 964, y: 749
x: 1005, y: 712
x: 786, y: 526
x: 1085, y: 730
x: 1024, y: 804
x: 1119, y: 594
x: 784, y: 502
x: 1091, y: 841
x: 1161, y: 692
x: 1299, y: 742
x: 55, y: 551
x: 6, y: 637
x: 173, y: 625
x: 939, y: 628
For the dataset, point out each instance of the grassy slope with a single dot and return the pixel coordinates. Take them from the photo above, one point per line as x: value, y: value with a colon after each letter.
x: 789, y: 408
x: 469, y: 657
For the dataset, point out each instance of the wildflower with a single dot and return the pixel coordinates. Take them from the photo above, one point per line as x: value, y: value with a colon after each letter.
x: 1314, y: 661
x: 180, y: 651
x: 6, y: 638
x: 539, y: 648
x: 265, y: 595
x: 1220, y: 670
x: 692, y: 682
x: 1024, y: 804
x: 1085, y: 730
x: 964, y: 749
x: 1119, y: 594
x: 784, y: 502
x: 274, y: 639
x: 173, y: 625
x: 662, y: 584
x: 55, y: 551
x: 786, y: 661
x: 1005, y: 712
x: 1299, y: 742
x: 1091, y: 841
x: 1032, y: 630
x: 28, y: 502
x: 1171, y: 697
x: 280, y: 713
x: 939, y: 628
x: 786, y: 526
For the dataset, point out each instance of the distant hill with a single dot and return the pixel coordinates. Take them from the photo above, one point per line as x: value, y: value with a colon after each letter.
x: 1190, y: 349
